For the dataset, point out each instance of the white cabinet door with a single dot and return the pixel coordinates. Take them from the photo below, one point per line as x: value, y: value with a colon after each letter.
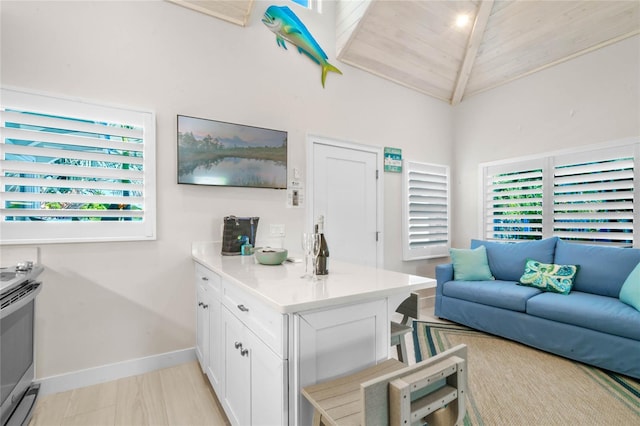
x: 214, y: 368
x: 334, y: 342
x: 208, y: 324
x: 255, y: 377
x: 202, y: 325
x: 268, y: 385
x: 237, y: 370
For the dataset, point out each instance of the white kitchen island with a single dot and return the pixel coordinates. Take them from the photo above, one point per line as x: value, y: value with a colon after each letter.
x: 263, y: 332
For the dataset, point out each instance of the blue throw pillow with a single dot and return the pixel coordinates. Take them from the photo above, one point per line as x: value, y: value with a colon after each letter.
x: 603, y: 269
x: 548, y: 277
x: 507, y: 260
x: 470, y: 265
x: 630, y: 291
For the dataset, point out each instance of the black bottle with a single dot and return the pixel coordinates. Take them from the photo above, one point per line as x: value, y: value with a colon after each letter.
x: 320, y: 264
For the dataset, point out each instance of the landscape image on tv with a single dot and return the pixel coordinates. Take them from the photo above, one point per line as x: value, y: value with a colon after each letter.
x: 218, y: 153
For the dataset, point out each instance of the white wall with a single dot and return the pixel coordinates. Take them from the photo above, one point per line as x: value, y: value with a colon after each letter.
x: 591, y: 99
x: 109, y: 302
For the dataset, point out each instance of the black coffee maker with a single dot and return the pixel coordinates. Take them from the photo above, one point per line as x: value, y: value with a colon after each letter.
x: 237, y: 232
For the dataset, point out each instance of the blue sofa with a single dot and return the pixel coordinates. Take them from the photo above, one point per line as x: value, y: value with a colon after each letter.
x: 590, y: 324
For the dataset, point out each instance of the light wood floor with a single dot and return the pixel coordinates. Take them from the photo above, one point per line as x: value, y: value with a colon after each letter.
x: 179, y: 395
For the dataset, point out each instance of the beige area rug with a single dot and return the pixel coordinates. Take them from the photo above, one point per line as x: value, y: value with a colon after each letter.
x: 513, y: 384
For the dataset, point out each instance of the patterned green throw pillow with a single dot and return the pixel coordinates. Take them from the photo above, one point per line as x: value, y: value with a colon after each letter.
x: 549, y: 277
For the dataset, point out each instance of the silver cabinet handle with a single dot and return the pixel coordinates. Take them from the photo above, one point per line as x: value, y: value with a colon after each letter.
x: 243, y: 308
x: 200, y: 303
x: 238, y: 345
x: 244, y: 352
x: 205, y: 306
x: 205, y: 279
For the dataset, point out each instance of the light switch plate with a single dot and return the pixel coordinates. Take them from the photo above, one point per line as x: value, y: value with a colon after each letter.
x: 276, y: 230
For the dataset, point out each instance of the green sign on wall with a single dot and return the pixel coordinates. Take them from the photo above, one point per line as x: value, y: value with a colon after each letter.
x: 392, y: 160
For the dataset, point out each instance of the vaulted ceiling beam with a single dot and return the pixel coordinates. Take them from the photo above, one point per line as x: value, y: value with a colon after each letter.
x: 475, y: 38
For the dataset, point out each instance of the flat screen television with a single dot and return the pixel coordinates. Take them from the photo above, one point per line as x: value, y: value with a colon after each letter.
x: 218, y: 153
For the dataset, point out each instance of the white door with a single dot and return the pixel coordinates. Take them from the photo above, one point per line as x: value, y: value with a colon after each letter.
x: 345, y: 188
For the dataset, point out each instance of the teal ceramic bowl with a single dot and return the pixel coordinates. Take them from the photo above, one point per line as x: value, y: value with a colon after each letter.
x: 270, y: 256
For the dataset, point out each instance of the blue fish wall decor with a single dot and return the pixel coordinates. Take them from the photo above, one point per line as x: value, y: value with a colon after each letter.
x: 287, y: 26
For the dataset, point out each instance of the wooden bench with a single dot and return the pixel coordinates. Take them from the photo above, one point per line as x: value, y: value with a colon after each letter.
x: 390, y: 393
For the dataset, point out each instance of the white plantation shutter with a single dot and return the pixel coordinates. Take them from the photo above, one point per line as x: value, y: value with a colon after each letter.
x: 425, y: 211
x: 593, y: 196
x: 589, y: 196
x: 73, y: 171
x: 514, y: 201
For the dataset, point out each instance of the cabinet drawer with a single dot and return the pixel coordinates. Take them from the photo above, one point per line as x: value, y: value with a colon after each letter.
x: 209, y: 279
x: 266, y: 323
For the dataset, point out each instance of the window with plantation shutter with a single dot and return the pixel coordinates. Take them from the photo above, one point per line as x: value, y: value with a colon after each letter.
x: 590, y: 196
x: 513, y: 206
x: 74, y: 171
x: 425, y: 211
x: 593, y: 197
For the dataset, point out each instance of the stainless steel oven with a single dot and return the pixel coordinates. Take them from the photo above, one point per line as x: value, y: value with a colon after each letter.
x: 18, y: 293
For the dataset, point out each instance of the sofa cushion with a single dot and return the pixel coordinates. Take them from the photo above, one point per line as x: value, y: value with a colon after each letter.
x: 470, y: 265
x: 630, y: 291
x: 501, y: 294
x: 603, y: 269
x: 507, y: 260
x: 600, y: 313
x: 548, y: 276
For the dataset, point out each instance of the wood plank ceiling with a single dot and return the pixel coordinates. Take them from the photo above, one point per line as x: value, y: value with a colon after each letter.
x: 417, y: 43
x: 234, y: 11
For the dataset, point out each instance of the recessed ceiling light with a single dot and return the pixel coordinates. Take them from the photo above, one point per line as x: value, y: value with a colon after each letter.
x: 462, y: 20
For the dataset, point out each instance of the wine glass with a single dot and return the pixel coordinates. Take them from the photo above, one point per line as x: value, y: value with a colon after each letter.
x: 307, y: 248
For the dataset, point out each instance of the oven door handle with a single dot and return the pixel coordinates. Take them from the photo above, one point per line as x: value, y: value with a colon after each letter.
x: 22, y: 302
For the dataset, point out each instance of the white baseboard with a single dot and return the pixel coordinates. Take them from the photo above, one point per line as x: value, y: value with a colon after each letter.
x: 109, y: 372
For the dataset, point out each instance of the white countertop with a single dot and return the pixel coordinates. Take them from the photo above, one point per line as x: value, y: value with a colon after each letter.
x: 283, y: 288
